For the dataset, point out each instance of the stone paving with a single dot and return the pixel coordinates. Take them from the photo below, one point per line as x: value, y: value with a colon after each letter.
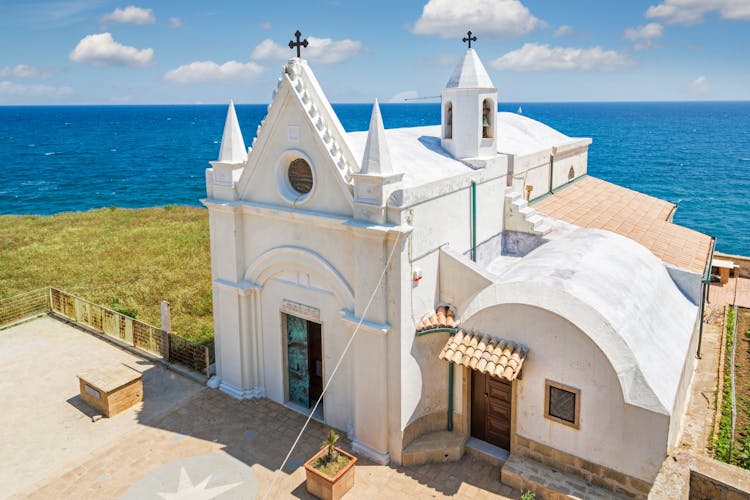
x: 44, y: 425
x: 736, y: 289
x: 258, y: 433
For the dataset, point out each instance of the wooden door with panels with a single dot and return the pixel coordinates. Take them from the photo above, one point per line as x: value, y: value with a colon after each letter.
x: 490, y: 409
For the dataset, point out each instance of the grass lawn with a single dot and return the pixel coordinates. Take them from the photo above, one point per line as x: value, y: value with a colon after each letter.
x: 126, y: 259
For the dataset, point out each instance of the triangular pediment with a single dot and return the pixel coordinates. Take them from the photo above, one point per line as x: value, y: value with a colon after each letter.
x: 300, y: 124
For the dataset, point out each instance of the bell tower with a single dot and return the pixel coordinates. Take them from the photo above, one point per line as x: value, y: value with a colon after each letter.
x: 469, y: 109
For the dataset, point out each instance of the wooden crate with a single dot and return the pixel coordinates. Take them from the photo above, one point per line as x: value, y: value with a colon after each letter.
x: 111, y: 390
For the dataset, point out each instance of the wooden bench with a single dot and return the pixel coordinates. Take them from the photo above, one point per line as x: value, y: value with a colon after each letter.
x: 111, y: 390
x: 723, y: 267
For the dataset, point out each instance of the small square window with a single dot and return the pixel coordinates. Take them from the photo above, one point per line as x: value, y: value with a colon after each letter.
x: 562, y: 403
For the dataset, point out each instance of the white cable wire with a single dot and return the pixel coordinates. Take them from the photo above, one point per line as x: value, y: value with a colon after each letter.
x: 335, y: 369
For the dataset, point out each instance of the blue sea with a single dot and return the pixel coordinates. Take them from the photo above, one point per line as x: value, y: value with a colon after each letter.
x: 63, y: 158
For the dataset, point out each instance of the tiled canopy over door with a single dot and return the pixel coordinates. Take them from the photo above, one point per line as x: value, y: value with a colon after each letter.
x: 297, y: 359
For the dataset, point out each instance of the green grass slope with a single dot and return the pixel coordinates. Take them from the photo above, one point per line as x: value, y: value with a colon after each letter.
x: 126, y: 259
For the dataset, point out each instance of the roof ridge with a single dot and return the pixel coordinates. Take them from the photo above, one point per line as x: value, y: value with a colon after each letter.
x: 327, y: 132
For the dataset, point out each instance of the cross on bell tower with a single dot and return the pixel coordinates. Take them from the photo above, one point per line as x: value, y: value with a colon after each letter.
x: 298, y: 43
x: 469, y: 38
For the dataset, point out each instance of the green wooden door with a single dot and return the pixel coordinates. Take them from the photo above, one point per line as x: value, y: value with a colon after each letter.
x: 297, y: 360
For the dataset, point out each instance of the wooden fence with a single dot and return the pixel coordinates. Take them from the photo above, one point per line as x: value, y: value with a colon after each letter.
x: 25, y: 305
x: 135, y: 333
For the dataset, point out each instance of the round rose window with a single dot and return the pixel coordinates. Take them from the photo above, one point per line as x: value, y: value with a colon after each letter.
x: 300, y: 176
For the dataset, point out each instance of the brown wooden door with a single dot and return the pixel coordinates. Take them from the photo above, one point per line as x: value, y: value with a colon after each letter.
x: 490, y: 409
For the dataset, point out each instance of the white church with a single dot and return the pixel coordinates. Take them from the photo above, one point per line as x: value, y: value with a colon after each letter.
x: 501, y: 297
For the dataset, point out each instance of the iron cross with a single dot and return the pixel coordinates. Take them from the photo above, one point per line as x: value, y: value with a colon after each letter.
x: 468, y: 38
x: 298, y: 44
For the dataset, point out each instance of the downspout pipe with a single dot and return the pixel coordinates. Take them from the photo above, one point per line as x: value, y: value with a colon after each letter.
x: 551, y: 171
x: 706, y: 289
x: 473, y: 197
x: 450, y: 396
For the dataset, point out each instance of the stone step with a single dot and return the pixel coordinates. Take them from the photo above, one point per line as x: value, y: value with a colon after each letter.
x: 525, y: 210
x: 526, y: 474
x: 434, y: 447
x: 534, y: 218
x: 542, y: 229
x: 486, y: 451
x: 513, y: 195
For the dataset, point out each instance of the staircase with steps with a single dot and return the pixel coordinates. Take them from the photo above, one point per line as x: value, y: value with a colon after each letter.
x: 520, y: 217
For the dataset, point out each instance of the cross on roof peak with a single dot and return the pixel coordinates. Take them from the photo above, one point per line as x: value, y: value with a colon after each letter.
x: 298, y: 43
x: 469, y: 38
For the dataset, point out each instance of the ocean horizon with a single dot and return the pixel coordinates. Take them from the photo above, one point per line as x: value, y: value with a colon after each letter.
x: 62, y: 158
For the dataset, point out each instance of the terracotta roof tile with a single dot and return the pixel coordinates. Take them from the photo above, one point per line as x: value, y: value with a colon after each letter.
x: 496, y: 357
x: 592, y: 202
x: 442, y: 317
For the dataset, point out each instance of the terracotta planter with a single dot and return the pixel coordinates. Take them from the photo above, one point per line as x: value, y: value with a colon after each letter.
x: 330, y: 487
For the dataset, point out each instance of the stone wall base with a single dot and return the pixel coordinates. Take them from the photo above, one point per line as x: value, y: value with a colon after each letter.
x: 591, y: 472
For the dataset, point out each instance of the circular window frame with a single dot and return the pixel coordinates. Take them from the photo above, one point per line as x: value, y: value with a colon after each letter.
x: 284, y: 185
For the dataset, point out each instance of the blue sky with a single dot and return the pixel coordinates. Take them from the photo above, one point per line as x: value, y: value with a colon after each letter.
x: 105, y: 52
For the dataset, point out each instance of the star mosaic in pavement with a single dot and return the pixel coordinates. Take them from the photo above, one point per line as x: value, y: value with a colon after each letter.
x: 217, y: 476
x: 186, y: 490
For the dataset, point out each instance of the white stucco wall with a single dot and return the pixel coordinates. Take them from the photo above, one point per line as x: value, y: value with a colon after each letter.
x: 622, y: 437
x: 437, y: 222
x: 447, y: 219
x: 575, y: 157
x: 683, y: 392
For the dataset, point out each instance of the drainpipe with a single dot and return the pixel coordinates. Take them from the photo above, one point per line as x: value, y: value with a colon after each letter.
x: 473, y: 221
x: 551, y: 171
x: 706, y: 289
x: 450, y: 396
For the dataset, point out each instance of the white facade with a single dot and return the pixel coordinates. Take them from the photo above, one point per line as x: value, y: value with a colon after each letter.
x: 381, y: 228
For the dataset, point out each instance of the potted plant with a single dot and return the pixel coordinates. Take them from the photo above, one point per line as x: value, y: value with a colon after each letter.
x: 330, y: 473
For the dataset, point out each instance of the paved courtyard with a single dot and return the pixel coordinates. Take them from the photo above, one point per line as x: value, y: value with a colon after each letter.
x: 44, y: 425
x: 183, y: 438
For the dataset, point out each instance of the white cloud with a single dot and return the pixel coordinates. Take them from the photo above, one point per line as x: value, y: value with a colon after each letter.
x: 404, y: 95
x: 537, y: 57
x: 644, y: 36
x: 102, y: 50
x: 10, y: 89
x: 130, y: 14
x: 268, y: 50
x: 693, y: 11
x: 209, y: 71
x: 266, y: 25
x: 175, y: 22
x: 564, y: 30
x: 320, y: 50
x: 490, y: 18
x: 700, y: 85
x: 23, y: 71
